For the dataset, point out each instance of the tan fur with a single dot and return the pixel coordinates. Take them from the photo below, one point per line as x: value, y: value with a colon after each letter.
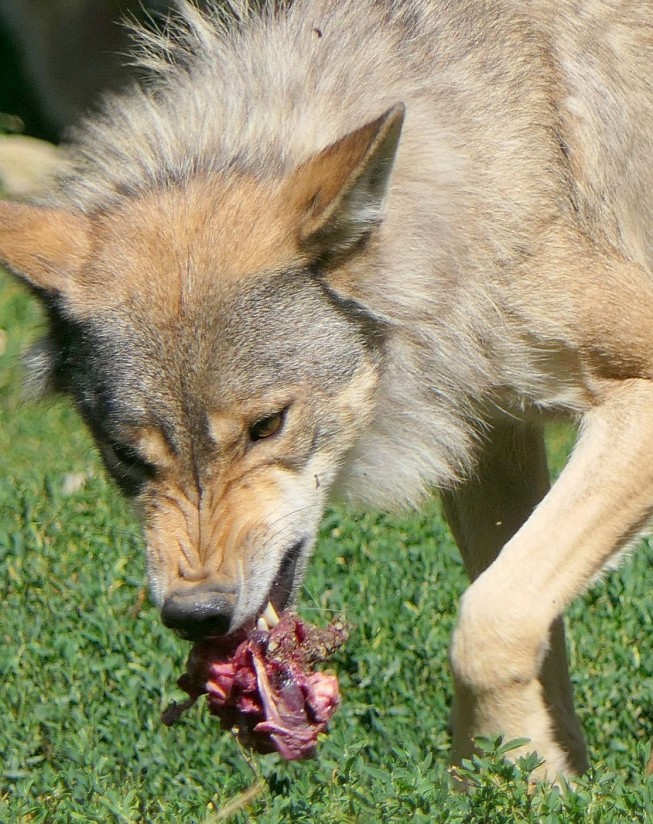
x: 152, y: 445
x: 262, y: 228
x: 211, y: 546
x: 258, y: 233
x: 408, y: 255
x: 26, y: 230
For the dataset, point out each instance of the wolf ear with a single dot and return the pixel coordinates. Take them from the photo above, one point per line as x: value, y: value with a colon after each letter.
x: 344, y: 186
x: 44, y: 247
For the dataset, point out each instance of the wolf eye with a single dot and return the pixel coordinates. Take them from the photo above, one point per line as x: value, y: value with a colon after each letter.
x: 266, y: 427
x: 128, y: 469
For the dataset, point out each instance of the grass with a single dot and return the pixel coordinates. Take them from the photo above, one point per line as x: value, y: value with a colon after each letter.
x: 86, y: 667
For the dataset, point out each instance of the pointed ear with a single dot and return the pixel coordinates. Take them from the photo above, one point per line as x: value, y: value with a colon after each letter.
x: 45, y: 247
x: 343, y: 188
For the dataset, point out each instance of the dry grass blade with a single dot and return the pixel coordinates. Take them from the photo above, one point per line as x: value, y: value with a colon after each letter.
x: 238, y: 802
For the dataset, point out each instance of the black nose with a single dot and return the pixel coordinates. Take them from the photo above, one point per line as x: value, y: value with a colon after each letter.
x: 199, y: 613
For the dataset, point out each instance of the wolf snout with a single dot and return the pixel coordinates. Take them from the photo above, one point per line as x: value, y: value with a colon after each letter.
x: 199, y: 613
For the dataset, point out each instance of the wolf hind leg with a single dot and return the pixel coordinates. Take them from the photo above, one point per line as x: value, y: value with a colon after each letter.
x: 484, y: 513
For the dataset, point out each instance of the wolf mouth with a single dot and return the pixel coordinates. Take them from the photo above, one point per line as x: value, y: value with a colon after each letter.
x: 270, y: 613
x: 282, y: 587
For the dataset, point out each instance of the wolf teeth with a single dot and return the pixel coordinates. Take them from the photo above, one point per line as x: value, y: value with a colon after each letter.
x: 269, y: 618
x: 270, y: 615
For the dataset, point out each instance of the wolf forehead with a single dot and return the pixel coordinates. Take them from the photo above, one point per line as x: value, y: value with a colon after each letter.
x: 200, y: 293
x: 176, y: 243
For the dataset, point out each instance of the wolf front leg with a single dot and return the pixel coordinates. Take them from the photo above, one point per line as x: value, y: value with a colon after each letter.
x: 511, y: 478
x: 599, y: 504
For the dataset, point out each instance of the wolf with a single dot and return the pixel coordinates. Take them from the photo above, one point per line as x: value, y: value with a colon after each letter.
x: 366, y: 248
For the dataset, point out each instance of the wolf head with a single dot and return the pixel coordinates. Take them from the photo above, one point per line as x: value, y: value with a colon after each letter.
x: 210, y: 336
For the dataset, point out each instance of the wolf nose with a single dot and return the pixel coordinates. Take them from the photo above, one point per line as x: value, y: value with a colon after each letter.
x: 198, y: 614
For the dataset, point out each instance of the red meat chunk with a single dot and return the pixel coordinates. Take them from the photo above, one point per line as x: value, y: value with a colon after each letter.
x: 265, y: 685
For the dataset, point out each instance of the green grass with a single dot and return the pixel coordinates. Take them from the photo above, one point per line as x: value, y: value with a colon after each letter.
x: 87, y: 668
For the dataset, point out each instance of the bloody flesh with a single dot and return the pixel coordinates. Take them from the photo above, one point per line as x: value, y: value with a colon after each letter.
x: 266, y: 687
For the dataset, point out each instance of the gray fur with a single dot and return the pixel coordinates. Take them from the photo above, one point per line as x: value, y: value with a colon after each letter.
x: 266, y: 91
